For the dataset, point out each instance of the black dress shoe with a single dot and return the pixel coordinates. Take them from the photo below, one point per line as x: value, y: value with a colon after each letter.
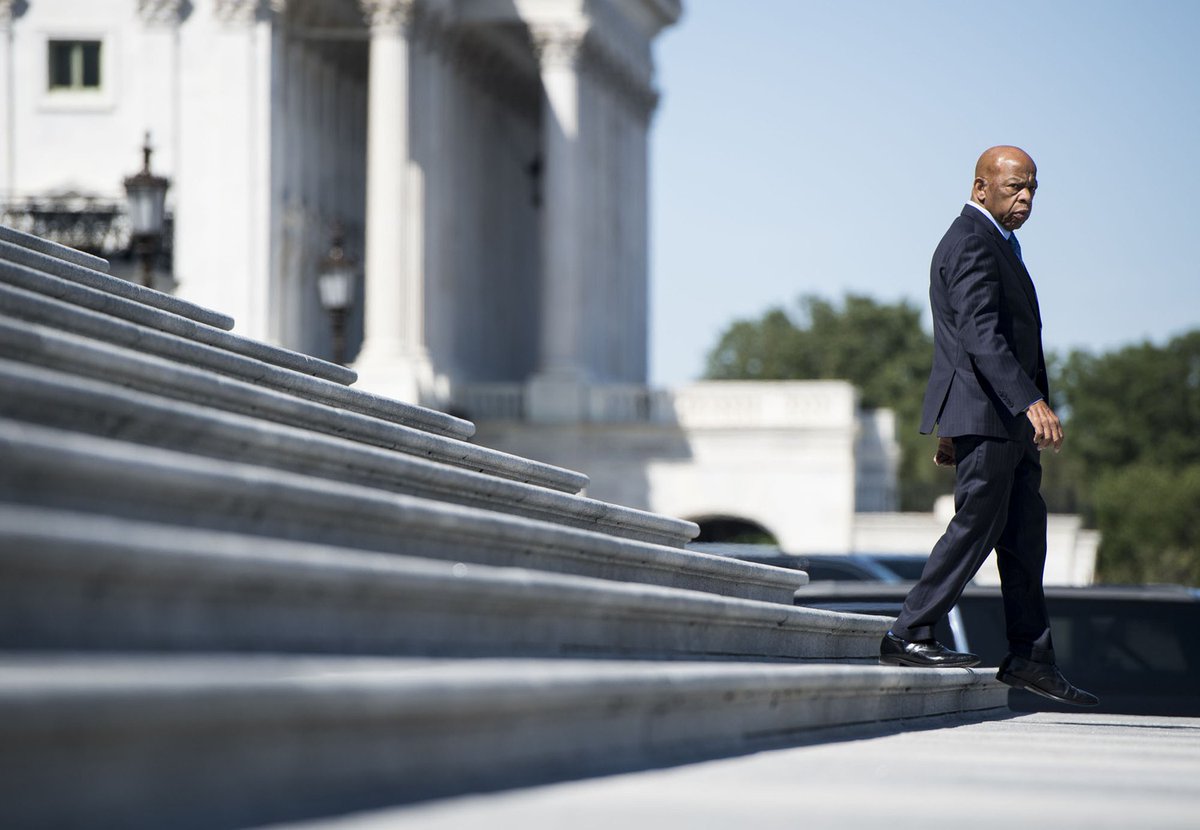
x: 1042, y: 679
x: 923, y: 653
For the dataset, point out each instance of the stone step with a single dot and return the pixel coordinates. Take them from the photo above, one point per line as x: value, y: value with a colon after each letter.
x: 227, y: 741
x: 50, y: 313
x: 76, y: 581
x: 45, y: 246
x: 38, y: 346
x: 47, y: 263
x: 51, y: 468
x: 53, y: 399
x: 146, y: 317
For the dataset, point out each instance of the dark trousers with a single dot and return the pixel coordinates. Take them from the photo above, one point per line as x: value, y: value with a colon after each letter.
x: 998, y: 505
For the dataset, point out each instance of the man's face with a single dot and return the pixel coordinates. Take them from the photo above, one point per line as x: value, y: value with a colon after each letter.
x: 1007, y: 191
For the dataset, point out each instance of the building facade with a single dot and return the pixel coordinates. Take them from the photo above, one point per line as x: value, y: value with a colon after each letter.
x: 485, y: 164
x: 485, y: 160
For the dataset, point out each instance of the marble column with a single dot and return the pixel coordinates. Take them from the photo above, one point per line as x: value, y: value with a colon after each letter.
x: 557, y: 393
x: 159, y: 75
x: 394, y: 361
x: 7, y: 121
x: 437, y: 179
x: 231, y: 74
x: 639, y: 229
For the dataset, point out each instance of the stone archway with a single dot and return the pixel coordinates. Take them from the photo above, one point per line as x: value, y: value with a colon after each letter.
x: 733, y: 529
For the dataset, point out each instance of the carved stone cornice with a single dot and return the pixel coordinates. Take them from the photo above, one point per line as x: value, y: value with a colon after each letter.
x: 493, y: 69
x: 560, y: 45
x: 389, y: 15
x: 7, y: 10
x: 431, y: 27
x: 247, y: 11
x: 629, y: 78
x: 644, y: 101
x: 160, y: 12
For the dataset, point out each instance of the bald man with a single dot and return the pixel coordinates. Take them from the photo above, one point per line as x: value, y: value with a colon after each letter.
x: 990, y: 401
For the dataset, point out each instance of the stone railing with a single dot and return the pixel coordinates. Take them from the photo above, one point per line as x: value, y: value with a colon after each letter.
x: 630, y: 403
x: 490, y: 401
x: 759, y: 405
x: 707, y: 405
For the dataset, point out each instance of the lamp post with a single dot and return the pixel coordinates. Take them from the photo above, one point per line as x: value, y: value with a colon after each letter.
x: 335, y: 284
x: 146, y: 196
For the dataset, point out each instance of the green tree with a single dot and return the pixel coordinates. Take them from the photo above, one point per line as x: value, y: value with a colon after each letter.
x: 1146, y: 514
x: 879, y: 347
x: 1133, y: 435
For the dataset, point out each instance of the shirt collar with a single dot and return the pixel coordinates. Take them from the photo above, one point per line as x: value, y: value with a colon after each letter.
x: 992, y: 219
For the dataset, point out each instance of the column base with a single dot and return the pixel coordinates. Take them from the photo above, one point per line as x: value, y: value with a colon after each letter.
x: 398, y: 375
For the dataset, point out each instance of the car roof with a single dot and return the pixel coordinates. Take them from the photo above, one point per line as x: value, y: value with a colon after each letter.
x: 1160, y: 593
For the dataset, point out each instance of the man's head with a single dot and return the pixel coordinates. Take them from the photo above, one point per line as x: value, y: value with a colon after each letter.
x: 1005, y: 181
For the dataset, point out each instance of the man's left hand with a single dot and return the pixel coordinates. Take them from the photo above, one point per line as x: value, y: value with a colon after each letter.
x: 1047, y: 430
x: 944, y: 457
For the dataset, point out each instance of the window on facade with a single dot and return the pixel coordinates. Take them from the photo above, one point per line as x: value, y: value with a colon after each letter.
x: 74, y: 64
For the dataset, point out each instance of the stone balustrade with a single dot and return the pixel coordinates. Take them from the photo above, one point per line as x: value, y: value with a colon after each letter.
x: 712, y: 405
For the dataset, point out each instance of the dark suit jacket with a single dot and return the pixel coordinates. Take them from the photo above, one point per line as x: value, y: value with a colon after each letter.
x: 988, y: 364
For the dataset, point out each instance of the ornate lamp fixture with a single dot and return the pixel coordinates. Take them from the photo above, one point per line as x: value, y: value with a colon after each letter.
x: 335, y: 284
x: 146, y: 196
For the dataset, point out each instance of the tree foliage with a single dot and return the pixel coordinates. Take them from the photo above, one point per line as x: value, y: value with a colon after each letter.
x: 1133, y: 430
x: 879, y: 347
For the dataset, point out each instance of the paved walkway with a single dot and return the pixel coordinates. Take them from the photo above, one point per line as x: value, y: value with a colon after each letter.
x: 1067, y: 771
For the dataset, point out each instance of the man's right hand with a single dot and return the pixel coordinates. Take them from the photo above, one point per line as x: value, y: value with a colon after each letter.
x: 1047, y: 429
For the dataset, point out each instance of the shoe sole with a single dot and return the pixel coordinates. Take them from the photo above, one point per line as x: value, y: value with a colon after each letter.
x: 900, y: 661
x: 1029, y: 687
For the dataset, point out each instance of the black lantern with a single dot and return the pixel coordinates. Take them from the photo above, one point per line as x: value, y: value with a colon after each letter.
x: 146, y: 197
x: 335, y: 284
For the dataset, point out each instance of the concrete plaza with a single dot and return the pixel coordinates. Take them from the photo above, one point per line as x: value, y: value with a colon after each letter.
x: 1036, y: 770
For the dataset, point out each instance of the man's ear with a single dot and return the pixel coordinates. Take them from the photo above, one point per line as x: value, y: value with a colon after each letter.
x: 978, y: 190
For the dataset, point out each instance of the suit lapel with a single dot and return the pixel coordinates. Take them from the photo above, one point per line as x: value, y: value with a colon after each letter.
x: 1007, y: 254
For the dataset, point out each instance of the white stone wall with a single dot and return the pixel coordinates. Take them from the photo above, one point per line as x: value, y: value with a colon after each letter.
x: 1070, y: 548
x: 781, y: 455
x: 85, y: 142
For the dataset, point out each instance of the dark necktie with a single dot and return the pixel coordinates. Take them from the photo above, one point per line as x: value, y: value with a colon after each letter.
x: 1016, y: 246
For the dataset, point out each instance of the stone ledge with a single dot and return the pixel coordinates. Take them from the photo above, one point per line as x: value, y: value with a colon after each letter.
x: 50, y: 468
x: 147, y: 317
x: 94, y: 278
x: 35, y: 345
x: 75, y: 581
x: 49, y: 398
x: 226, y: 741
x: 54, y: 249
x: 58, y: 314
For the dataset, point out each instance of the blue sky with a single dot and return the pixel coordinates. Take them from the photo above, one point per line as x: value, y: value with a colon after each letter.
x: 806, y: 146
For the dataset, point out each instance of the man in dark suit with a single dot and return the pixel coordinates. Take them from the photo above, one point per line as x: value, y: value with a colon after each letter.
x: 989, y: 398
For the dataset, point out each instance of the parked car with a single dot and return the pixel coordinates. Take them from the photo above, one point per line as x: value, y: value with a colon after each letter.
x: 1138, y: 648
x: 821, y: 567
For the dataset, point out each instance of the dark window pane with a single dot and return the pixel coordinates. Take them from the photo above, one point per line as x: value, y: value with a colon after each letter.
x: 60, y: 64
x: 91, y: 63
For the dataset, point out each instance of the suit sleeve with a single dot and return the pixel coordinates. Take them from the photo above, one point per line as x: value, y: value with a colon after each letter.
x: 973, y: 286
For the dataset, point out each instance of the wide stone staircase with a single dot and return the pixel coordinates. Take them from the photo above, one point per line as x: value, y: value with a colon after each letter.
x: 235, y: 590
